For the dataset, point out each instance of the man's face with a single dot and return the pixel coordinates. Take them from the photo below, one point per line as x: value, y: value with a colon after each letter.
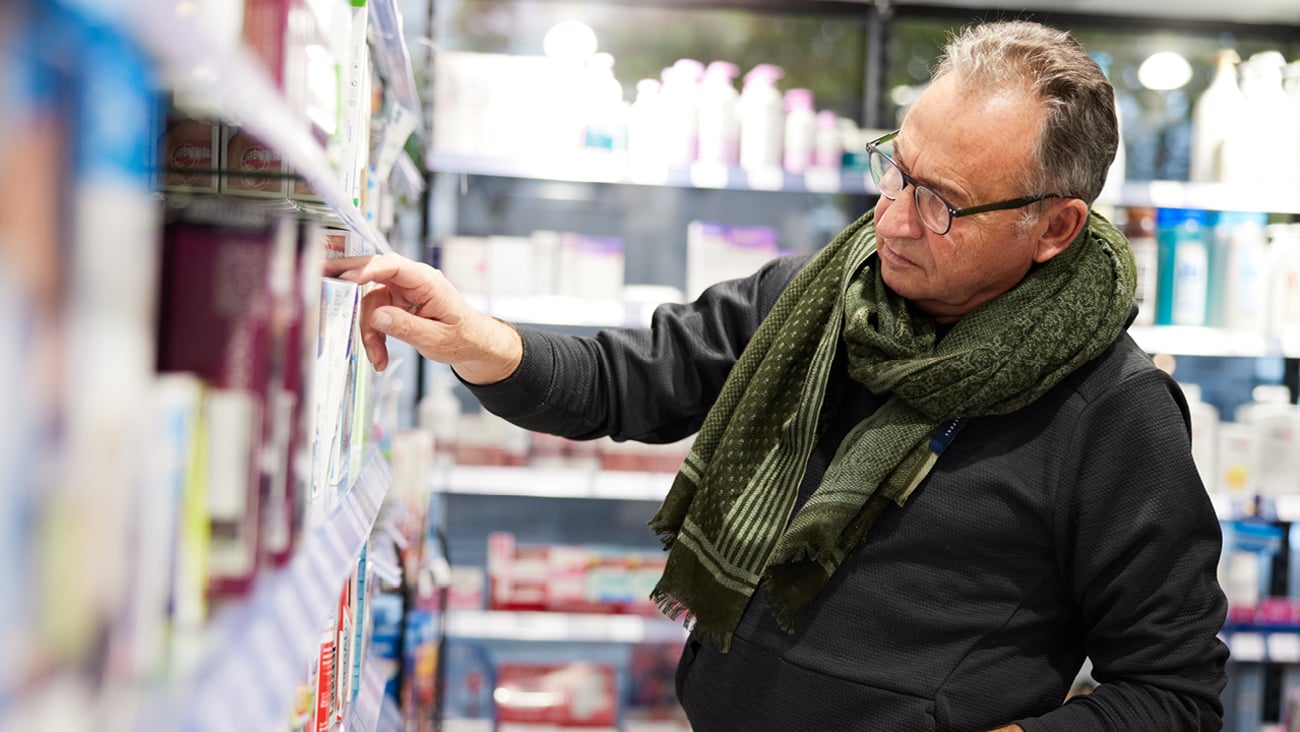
x: 969, y: 149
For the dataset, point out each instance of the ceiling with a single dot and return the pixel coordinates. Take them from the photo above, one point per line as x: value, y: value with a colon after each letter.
x: 1270, y: 12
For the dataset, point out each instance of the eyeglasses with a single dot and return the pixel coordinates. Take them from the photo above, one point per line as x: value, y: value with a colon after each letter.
x: 935, y: 212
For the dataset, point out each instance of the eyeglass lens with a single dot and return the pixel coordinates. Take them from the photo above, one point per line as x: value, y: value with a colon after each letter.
x: 932, y: 211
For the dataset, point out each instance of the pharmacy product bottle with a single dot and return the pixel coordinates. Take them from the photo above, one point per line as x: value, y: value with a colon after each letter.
x: 679, y: 96
x: 1275, y: 423
x: 1140, y: 228
x: 827, y: 148
x: 1265, y: 134
x: 1183, y: 278
x: 762, y: 119
x: 1238, y: 272
x: 719, y: 133
x: 644, y: 128
x: 1284, y: 284
x: 439, y: 413
x: 1216, y: 113
x: 1238, y: 462
x: 1205, y: 434
x: 800, y: 130
x: 605, y: 118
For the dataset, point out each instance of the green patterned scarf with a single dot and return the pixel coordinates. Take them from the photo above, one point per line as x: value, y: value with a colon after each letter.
x: 726, y: 520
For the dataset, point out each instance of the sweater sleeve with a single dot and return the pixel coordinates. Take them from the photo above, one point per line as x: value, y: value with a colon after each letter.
x: 648, y: 384
x: 1139, y: 543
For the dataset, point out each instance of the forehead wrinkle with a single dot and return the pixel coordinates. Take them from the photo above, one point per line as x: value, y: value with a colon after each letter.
x: 946, y: 192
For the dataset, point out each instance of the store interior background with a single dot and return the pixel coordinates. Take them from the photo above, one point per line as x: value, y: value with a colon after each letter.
x: 465, y: 629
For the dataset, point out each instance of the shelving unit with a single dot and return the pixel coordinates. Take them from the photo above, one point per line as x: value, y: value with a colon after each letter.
x: 256, y: 651
x: 230, y: 82
x: 240, y: 658
x: 562, y: 627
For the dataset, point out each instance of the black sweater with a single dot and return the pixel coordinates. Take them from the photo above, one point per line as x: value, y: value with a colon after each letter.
x: 1075, y: 527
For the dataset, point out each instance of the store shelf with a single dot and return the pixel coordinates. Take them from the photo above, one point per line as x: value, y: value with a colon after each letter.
x: 562, y: 627
x: 1264, y: 645
x: 233, y: 83
x: 613, y: 170
x: 1209, y: 196
x: 554, y: 483
x: 259, y: 651
x: 367, y: 711
x: 1203, y: 341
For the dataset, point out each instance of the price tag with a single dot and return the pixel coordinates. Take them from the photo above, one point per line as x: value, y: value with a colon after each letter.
x: 822, y: 180
x: 1284, y: 647
x: 766, y: 179
x: 709, y: 175
x: 1247, y: 647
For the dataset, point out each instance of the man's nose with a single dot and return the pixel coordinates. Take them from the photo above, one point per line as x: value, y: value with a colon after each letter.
x: 899, y: 218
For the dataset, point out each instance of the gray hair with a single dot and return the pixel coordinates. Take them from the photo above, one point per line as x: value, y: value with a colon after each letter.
x: 1079, y: 134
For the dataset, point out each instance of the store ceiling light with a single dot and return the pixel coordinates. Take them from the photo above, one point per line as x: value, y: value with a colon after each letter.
x: 1164, y: 71
x: 570, y: 41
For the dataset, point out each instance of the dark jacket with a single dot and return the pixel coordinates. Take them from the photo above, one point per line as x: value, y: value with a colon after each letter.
x: 1074, y: 527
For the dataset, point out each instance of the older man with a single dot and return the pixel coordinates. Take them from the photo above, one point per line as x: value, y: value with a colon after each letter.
x: 933, y: 473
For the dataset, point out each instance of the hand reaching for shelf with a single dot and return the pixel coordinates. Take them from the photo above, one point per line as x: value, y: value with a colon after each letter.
x: 416, y: 304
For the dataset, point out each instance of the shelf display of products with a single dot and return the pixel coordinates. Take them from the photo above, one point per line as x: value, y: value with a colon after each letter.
x: 192, y: 502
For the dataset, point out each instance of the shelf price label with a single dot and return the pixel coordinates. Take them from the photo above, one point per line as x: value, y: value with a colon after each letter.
x: 766, y: 179
x: 1283, y: 647
x: 708, y: 175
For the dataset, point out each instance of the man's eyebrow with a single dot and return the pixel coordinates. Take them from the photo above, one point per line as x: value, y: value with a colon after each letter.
x: 900, y: 159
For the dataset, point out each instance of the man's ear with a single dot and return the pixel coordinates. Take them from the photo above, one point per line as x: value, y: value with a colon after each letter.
x: 1060, y: 224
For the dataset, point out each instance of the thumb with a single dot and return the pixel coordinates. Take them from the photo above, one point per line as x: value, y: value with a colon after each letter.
x: 396, y: 322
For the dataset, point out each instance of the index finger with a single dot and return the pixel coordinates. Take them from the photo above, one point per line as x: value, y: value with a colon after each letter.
x: 339, y: 265
x: 390, y: 269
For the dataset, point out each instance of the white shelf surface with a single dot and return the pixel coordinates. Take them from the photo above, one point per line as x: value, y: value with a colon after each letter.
x: 562, y: 627
x: 1182, y: 340
x: 554, y: 483
x: 259, y: 651
x: 1209, y: 196
x: 611, y: 169
x: 370, y: 712
x: 233, y: 82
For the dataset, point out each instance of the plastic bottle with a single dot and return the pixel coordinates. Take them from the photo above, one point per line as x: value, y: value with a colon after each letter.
x: 800, y: 130
x: 1205, y: 434
x: 680, y: 111
x: 1275, y: 422
x: 719, y: 131
x: 1284, y: 284
x: 827, y: 149
x: 762, y: 119
x: 1140, y: 228
x: 1216, y: 113
x: 1183, y: 278
x: 1238, y: 272
x: 439, y: 413
x: 644, y: 132
x: 1264, y: 134
x: 605, y: 120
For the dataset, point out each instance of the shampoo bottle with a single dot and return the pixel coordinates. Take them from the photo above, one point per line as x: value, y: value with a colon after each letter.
x: 1205, y: 434
x: 762, y: 119
x: 719, y: 133
x: 1183, y: 279
x: 1275, y: 423
x: 679, y: 97
x: 800, y: 130
x: 1215, y: 114
x: 1140, y: 228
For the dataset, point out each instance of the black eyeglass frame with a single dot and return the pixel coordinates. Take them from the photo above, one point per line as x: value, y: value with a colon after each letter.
x: 873, y: 148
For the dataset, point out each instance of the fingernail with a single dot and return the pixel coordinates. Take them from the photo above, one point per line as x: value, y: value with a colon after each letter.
x: 383, y: 321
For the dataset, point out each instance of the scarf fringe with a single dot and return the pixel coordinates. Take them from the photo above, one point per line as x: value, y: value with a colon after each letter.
x: 674, y: 609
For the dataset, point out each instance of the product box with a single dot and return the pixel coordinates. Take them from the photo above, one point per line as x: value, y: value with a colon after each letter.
x: 233, y: 283
x: 576, y: 695
x: 188, y: 155
x: 249, y: 167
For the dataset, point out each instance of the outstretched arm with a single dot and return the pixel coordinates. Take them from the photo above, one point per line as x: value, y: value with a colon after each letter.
x: 416, y: 304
